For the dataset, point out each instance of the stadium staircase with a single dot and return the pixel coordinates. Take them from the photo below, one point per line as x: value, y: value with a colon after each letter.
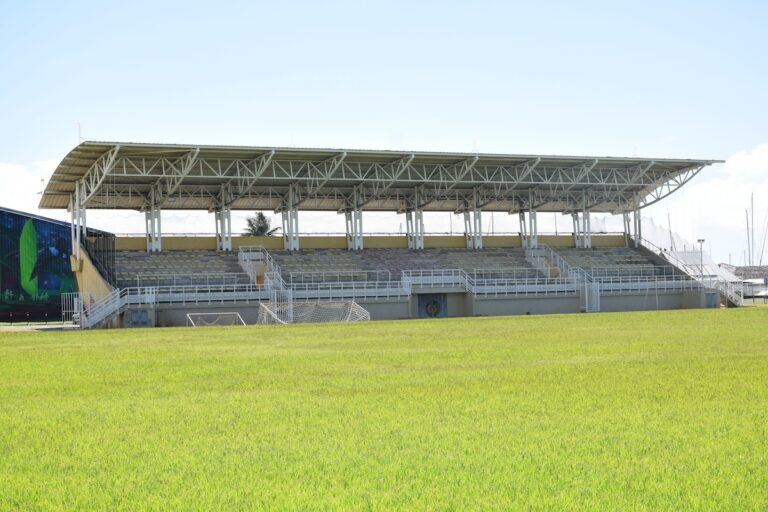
x: 729, y: 288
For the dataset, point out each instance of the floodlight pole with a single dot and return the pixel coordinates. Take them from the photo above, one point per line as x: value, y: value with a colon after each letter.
x: 701, y: 256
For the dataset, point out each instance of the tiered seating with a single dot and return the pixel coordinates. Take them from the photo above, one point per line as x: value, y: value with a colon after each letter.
x: 612, y: 262
x: 199, y: 267
x: 296, y: 266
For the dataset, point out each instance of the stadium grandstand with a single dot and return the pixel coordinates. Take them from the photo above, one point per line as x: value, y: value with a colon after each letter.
x: 161, y: 279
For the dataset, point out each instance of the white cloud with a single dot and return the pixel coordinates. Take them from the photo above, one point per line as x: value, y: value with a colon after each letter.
x: 713, y: 205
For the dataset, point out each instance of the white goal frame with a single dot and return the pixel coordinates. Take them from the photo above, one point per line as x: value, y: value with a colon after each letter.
x: 201, y: 322
x: 311, y: 312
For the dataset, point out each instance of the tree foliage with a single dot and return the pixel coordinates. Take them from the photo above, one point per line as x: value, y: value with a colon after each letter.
x: 259, y: 225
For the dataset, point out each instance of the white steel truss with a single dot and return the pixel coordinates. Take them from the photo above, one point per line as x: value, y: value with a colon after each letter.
x: 116, y: 176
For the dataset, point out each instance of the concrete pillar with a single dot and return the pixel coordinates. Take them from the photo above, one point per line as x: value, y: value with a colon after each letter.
x: 414, y: 226
x: 523, y: 231
x: 533, y: 231
x: 290, y: 218
x: 587, y: 225
x: 354, y: 221
x: 223, y: 218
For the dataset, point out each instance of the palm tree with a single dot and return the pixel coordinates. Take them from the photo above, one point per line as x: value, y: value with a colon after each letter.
x: 258, y: 225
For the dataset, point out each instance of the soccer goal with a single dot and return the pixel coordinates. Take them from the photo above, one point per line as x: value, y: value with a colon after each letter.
x: 207, y: 319
x: 311, y: 312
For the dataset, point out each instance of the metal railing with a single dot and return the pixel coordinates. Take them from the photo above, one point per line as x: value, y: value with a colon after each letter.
x: 209, y: 279
x: 532, y: 286
x: 443, y: 278
x: 732, y: 291
x: 644, y: 284
x: 117, y: 300
x: 341, y: 276
x: 351, y: 290
x: 631, y: 271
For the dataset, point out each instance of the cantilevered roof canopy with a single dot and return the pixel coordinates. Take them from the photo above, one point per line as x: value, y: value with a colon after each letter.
x: 115, y: 175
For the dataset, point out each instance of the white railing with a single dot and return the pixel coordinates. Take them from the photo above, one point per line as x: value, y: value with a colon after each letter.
x: 340, y: 276
x: 531, y: 286
x: 443, y: 278
x: 213, y: 278
x: 250, y: 256
x: 644, y: 284
x: 351, y: 290
x: 545, y: 258
x: 94, y: 314
x: 151, y: 296
x: 649, y: 271
x: 513, y: 273
x: 732, y: 291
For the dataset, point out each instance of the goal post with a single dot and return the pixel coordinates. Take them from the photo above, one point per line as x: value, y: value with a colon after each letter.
x: 311, y: 312
x: 208, y: 319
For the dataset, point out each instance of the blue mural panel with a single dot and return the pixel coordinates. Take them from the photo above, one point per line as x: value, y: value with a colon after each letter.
x: 34, y: 267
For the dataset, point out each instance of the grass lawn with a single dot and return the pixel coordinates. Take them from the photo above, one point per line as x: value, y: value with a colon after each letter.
x: 634, y: 411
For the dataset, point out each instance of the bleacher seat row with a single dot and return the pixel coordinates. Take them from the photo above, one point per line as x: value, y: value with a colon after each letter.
x: 314, y: 265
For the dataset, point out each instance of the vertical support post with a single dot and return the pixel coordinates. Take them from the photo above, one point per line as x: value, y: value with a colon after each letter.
x: 533, y: 241
x: 71, y: 209
x: 78, y: 220
x: 354, y: 222
x: 223, y: 220
x: 419, y: 225
x: 625, y: 217
x: 587, y: 220
x: 473, y: 229
x: 152, y: 223
x: 523, y: 231
x: 473, y: 224
x: 638, y: 226
x: 409, y: 229
x: 414, y: 223
x: 478, y: 228
x: 468, y: 230
x: 576, y: 230
x: 290, y: 218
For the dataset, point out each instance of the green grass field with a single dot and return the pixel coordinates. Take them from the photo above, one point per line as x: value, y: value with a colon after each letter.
x: 636, y: 411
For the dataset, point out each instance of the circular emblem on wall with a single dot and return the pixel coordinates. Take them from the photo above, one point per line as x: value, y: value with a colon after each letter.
x: 432, y: 309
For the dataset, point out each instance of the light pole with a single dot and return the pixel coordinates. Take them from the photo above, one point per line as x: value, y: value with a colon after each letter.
x: 701, y: 256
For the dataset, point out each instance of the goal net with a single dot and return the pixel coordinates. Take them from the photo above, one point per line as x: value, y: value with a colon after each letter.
x: 311, y: 312
x: 206, y: 319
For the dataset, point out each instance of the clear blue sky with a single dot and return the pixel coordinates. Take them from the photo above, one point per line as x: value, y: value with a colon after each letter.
x: 666, y: 79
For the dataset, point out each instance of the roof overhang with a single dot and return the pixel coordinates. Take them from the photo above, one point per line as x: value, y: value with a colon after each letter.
x: 115, y: 175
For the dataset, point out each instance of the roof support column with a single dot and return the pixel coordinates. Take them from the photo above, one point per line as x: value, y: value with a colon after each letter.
x: 414, y: 226
x: 152, y: 222
x: 576, y: 230
x: 223, y: 219
x: 625, y: 217
x: 473, y: 224
x: 587, y: 226
x: 533, y: 231
x: 354, y: 218
x: 523, y: 231
x: 78, y: 226
x: 223, y: 228
x: 638, y: 226
x: 290, y: 214
x: 71, y: 209
x: 414, y: 223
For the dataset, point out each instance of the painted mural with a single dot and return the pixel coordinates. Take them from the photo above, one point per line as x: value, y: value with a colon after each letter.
x: 34, y: 267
